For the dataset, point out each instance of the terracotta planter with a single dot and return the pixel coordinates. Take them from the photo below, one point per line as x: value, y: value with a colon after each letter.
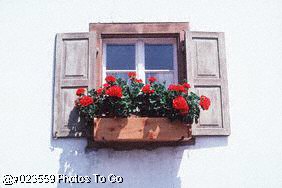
x: 140, y: 129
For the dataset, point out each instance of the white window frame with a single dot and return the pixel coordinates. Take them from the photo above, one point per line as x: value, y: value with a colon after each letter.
x: 140, y: 55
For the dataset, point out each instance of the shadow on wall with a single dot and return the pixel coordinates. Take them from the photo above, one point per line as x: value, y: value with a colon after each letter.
x: 139, y: 168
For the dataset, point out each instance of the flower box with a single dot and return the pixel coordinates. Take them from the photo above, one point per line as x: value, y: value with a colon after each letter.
x: 139, y: 132
x: 134, y: 105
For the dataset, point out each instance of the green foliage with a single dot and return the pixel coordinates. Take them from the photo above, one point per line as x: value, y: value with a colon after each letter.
x: 158, y: 102
x: 151, y: 105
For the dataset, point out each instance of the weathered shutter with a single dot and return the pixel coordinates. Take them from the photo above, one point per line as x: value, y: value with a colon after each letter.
x: 206, y: 70
x: 74, y: 68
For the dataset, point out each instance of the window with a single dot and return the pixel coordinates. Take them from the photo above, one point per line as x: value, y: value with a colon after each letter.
x: 146, y: 56
x: 168, y: 51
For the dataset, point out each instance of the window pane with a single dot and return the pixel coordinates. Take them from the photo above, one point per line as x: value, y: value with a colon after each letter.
x: 161, y: 77
x: 120, y: 57
x: 158, y: 56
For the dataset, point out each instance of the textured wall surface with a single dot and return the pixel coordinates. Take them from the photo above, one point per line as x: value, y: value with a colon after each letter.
x: 250, y: 157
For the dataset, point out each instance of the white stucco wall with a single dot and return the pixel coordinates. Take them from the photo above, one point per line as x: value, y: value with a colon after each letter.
x: 250, y: 157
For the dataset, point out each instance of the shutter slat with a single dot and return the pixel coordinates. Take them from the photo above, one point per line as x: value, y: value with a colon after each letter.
x: 206, y: 68
x: 74, y: 83
x: 208, y: 82
x: 74, y: 68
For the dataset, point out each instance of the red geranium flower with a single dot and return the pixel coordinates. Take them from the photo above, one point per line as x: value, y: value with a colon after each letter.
x: 147, y: 89
x: 110, y: 79
x: 205, y: 102
x: 106, y: 85
x: 152, y: 79
x: 138, y: 80
x: 86, y: 100
x: 80, y: 91
x: 99, y: 91
x: 186, y: 85
x: 179, y: 103
x: 114, y: 91
x: 172, y: 87
x: 131, y: 75
x: 178, y: 88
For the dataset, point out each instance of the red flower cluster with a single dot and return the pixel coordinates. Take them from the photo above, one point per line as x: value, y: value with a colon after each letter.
x: 99, y: 91
x: 205, y: 102
x: 138, y: 80
x: 179, y: 103
x: 152, y: 79
x: 178, y: 88
x: 80, y: 91
x: 132, y: 75
x: 106, y: 85
x: 186, y: 85
x: 114, y: 91
x: 147, y: 89
x: 110, y: 79
x: 86, y: 100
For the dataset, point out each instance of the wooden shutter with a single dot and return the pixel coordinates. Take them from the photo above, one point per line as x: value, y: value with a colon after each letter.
x: 74, y: 68
x: 206, y: 71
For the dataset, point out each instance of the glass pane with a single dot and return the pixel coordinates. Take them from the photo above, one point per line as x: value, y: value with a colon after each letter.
x: 161, y: 77
x: 120, y: 57
x: 158, y: 56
